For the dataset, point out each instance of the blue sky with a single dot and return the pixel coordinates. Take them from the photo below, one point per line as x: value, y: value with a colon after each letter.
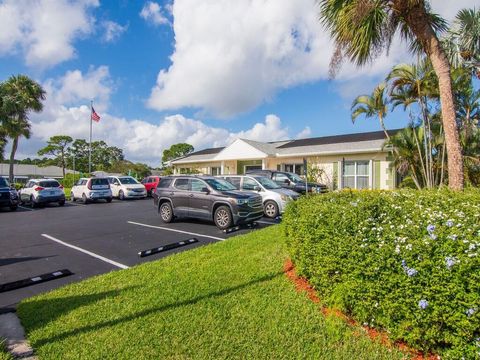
x: 197, y: 71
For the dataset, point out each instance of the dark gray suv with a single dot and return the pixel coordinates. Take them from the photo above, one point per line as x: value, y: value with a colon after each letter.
x: 206, y: 197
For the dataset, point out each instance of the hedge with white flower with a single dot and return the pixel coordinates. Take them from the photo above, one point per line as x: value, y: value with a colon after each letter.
x: 407, y: 262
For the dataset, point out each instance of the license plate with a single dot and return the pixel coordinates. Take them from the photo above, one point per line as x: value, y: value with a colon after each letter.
x: 52, y: 192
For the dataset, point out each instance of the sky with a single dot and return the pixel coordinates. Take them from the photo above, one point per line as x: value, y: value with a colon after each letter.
x: 203, y: 72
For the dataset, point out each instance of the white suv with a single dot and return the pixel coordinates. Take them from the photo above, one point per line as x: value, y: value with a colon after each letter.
x: 127, y: 187
x: 91, y: 189
x: 42, y: 191
x: 274, y: 197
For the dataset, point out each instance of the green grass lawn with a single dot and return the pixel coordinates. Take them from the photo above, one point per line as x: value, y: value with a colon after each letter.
x: 4, y: 355
x: 227, y: 300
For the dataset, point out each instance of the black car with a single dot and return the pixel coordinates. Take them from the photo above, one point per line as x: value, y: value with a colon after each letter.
x: 8, y: 195
x: 290, y: 181
x: 206, y: 197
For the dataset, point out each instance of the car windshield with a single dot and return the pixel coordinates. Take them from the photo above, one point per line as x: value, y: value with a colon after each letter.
x: 220, y: 184
x: 267, y: 183
x: 49, y: 184
x: 128, y: 180
x: 3, y: 182
x: 294, y: 177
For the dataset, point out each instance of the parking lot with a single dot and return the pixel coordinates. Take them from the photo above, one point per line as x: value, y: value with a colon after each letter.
x: 89, y: 240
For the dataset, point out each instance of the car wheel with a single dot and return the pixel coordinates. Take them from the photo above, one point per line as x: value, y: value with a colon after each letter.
x: 61, y: 203
x: 109, y: 200
x: 84, y: 199
x: 33, y: 204
x: 72, y: 197
x: 121, y: 195
x: 166, y: 212
x: 149, y: 193
x: 13, y: 208
x: 223, y: 217
x: 270, y: 208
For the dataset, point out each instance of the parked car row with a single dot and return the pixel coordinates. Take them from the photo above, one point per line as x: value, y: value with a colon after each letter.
x: 228, y: 200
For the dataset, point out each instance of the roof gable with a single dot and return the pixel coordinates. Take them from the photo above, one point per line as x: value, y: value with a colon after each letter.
x: 240, y: 150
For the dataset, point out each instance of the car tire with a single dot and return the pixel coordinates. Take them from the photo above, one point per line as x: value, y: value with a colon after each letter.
x: 84, y: 199
x: 72, y: 197
x: 270, y: 209
x: 223, y: 217
x: 33, y: 204
x: 121, y: 195
x: 109, y: 200
x: 13, y: 208
x: 166, y: 212
x: 61, y: 203
x: 149, y: 193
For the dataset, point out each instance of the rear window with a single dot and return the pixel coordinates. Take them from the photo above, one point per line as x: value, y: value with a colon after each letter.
x: 100, y: 181
x: 49, y: 184
x: 164, y: 183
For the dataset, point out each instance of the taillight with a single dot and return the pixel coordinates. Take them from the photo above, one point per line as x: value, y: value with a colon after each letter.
x: 89, y: 185
x: 60, y: 187
x: 39, y: 188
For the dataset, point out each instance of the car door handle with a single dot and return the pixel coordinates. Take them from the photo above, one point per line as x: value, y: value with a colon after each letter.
x: 172, y: 193
x: 191, y: 195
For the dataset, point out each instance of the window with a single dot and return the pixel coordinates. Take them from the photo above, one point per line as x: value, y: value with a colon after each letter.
x: 216, y: 171
x: 280, y: 178
x: 235, y: 181
x: 249, y: 184
x: 294, y: 168
x: 49, y: 184
x: 181, y: 184
x: 197, y: 185
x: 356, y: 174
x: 99, y: 181
x: 164, y: 183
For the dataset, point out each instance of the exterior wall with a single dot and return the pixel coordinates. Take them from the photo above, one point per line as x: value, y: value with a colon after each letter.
x: 382, y: 173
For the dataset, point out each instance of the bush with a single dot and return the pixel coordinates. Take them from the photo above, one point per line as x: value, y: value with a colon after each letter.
x: 405, y: 261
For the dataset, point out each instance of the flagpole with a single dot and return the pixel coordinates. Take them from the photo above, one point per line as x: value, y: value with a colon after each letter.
x: 90, y: 143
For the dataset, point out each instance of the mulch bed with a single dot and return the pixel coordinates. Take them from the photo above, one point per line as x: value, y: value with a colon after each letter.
x: 302, y: 284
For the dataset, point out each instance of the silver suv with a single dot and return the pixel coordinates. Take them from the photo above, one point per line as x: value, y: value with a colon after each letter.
x: 274, y: 197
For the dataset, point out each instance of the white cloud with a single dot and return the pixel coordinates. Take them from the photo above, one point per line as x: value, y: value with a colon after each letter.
x: 232, y: 56
x: 43, y: 31
x: 67, y: 111
x: 305, y: 133
x: 152, y: 13
x: 75, y: 87
x: 113, y: 31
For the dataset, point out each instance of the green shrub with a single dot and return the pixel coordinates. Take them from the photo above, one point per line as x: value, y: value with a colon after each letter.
x: 405, y: 261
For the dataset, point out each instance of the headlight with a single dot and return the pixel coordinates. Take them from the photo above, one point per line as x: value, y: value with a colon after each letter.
x: 129, y: 189
x: 13, y: 195
x: 285, y: 197
x: 242, y: 201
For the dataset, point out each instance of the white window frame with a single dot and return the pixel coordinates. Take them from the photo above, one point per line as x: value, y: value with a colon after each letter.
x: 355, y: 176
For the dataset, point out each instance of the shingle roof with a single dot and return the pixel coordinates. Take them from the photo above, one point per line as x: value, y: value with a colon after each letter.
x: 338, y: 139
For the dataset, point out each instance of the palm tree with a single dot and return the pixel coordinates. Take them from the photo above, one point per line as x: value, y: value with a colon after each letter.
x: 462, y: 43
x: 20, y: 95
x: 362, y: 29
x: 416, y: 84
x: 372, y: 105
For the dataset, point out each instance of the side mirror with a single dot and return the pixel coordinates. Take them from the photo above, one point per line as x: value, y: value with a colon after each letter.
x: 286, y: 181
x: 256, y: 188
x: 205, y: 190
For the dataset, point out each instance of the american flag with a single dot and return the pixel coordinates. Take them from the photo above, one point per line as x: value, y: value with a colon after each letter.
x: 95, y: 116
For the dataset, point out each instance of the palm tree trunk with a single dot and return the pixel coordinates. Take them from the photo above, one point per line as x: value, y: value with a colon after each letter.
x: 12, y: 158
x: 416, y: 18
x: 380, y: 118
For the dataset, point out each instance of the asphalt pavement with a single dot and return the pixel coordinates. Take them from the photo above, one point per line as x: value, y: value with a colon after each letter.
x: 88, y: 240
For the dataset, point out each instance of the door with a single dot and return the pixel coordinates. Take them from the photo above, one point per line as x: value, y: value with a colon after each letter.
x: 115, y: 186
x: 26, y: 192
x: 180, y: 197
x: 200, y: 200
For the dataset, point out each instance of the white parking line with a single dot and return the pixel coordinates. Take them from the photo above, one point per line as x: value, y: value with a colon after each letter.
x: 121, y: 266
x: 175, y: 230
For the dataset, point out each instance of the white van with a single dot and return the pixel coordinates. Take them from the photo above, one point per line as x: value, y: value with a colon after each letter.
x: 127, y: 187
x: 274, y: 197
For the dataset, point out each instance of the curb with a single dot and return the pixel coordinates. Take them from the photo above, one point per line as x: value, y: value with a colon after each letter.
x: 12, y: 331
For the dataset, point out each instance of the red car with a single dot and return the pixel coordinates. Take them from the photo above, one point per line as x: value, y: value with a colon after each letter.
x: 150, y: 183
